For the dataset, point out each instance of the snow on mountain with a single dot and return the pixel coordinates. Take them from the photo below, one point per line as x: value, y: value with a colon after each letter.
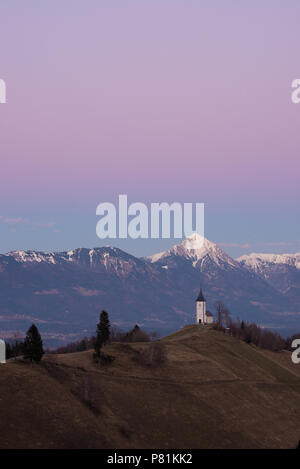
x: 199, y: 250
x: 258, y: 262
x: 87, y: 256
x: 32, y: 256
x: 66, y: 290
x: 281, y: 271
x: 196, y: 260
x: 102, y: 259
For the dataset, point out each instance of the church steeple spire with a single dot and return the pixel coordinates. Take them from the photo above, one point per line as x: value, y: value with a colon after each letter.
x: 202, y: 315
x: 200, y: 296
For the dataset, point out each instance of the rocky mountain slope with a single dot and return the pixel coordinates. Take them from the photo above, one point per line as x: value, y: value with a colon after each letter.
x: 281, y: 271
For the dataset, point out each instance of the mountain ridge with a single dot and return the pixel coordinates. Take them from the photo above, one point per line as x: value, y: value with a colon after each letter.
x: 63, y: 292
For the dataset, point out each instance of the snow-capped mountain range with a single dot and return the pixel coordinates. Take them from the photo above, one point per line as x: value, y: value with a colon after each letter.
x: 258, y: 262
x: 199, y: 251
x: 282, y: 271
x: 63, y: 292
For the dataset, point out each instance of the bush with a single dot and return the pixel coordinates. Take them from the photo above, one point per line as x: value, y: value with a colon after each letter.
x: 153, y: 356
x: 103, y: 359
x: 136, y: 335
x: 14, y: 349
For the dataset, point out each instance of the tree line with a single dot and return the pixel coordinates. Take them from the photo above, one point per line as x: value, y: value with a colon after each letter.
x: 251, y: 333
x: 136, y: 334
x: 32, y: 347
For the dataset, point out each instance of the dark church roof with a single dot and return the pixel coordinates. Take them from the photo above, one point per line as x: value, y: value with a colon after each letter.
x: 208, y: 313
x: 200, y: 296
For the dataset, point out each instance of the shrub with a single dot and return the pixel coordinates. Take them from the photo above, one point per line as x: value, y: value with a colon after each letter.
x: 136, y: 335
x: 153, y: 356
x: 103, y: 358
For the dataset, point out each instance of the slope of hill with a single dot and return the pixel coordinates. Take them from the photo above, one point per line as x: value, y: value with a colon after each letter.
x: 63, y: 293
x: 213, y: 391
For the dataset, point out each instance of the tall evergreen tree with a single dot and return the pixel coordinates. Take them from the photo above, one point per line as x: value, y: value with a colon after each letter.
x: 103, y: 333
x: 33, y: 345
x: 8, y: 351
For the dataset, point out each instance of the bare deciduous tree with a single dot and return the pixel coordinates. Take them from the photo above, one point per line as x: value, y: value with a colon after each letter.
x: 223, y: 315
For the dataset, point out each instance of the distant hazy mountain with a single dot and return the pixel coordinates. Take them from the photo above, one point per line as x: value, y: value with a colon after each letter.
x: 64, y: 292
x: 282, y: 271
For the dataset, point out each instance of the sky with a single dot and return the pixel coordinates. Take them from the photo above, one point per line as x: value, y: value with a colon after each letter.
x: 162, y: 100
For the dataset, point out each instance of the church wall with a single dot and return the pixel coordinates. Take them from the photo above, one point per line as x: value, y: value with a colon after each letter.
x: 200, y: 312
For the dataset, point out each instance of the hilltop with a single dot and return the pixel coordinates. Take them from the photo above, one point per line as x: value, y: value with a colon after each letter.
x: 213, y: 391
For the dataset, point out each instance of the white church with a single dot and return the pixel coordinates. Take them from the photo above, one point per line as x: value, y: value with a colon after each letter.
x: 2, y: 351
x: 203, y: 316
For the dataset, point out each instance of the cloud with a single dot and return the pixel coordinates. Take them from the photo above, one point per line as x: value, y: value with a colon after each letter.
x: 50, y: 224
x: 280, y: 243
x: 235, y: 245
x: 33, y: 225
x: 86, y: 292
x: 261, y: 246
x: 15, y: 221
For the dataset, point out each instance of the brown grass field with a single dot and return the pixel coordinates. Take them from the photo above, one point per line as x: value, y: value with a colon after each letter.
x: 213, y: 391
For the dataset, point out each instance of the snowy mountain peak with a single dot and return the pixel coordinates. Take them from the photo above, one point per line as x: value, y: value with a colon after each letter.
x: 194, y: 242
x: 197, y: 249
x: 258, y: 261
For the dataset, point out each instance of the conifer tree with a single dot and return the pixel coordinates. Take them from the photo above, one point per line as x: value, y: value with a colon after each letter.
x: 33, y: 345
x: 8, y: 351
x: 103, y: 333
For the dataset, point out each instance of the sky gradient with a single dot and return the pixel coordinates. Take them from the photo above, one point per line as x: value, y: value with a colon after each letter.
x: 161, y: 100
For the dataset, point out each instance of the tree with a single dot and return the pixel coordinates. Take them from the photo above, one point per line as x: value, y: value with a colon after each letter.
x: 103, y: 333
x: 137, y: 335
x: 17, y: 346
x: 219, y: 307
x: 8, y: 351
x: 223, y: 317
x: 33, y: 345
x: 152, y: 356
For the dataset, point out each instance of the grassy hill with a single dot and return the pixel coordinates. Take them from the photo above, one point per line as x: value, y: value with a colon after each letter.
x: 213, y: 391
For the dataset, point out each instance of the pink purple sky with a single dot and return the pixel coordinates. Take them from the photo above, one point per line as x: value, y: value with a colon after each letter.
x: 163, y: 100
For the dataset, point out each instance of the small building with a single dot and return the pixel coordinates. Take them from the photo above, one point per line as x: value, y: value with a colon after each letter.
x: 203, y: 316
x: 2, y: 351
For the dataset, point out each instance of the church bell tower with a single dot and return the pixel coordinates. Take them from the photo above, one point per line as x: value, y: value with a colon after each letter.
x: 200, y: 309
